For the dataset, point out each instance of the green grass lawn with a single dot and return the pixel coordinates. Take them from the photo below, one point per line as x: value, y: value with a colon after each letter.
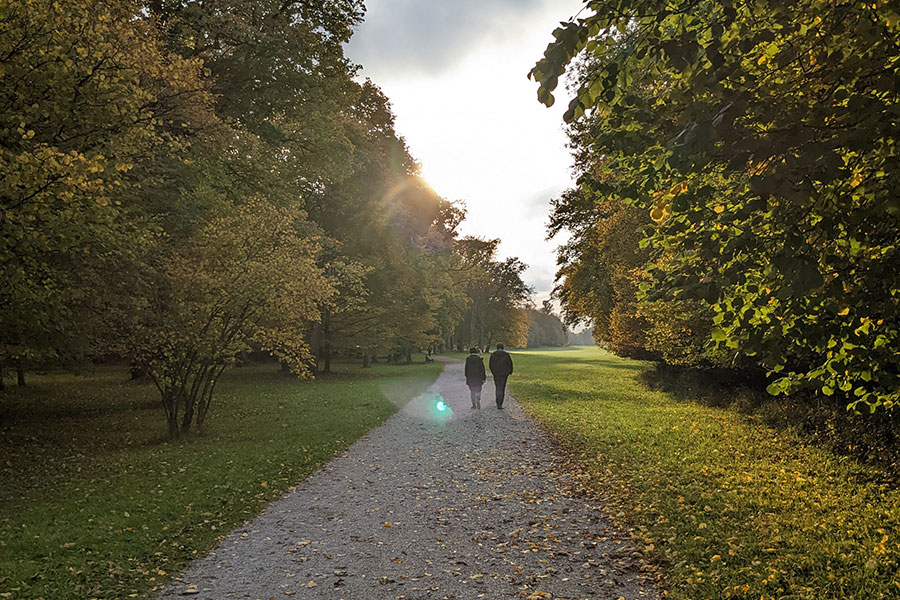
x: 727, y: 506
x: 95, y: 504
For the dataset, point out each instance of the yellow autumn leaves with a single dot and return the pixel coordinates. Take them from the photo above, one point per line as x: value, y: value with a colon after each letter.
x: 662, y: 201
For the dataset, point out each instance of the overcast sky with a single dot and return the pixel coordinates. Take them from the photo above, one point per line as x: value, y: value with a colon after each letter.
x: 456, y: 74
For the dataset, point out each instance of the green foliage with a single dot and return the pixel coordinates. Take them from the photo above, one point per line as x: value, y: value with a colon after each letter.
x: 86, y: 90
x: 496, y: 296
x: 101, y: 509
x: 601, y: 274
x: 393, y: 235
x: 545, y: 329
x: 760, y: 139
x: 726, y: 507
x: 585, y: 337
x: 184, y: 181
x: 279, y: 75
x: 245, y: 278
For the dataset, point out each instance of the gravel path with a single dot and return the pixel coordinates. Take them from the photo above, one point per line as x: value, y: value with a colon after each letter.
x: 456, y: 505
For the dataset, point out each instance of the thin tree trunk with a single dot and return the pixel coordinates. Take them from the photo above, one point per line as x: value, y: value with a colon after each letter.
x: 206, y: 399
x: 20, y: 376
x: 170, y: 404
x: 201, y: 382
x: 188, y: 417
x: 136, y: 371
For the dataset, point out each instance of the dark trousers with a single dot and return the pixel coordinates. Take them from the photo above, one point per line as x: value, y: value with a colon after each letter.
x: 500, y: 383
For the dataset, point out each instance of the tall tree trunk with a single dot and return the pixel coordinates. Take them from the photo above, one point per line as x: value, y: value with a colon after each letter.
x: 316, y: 345
x: 408, y: 357
x: 2, y: 383
x: 20, y: 376
x: 326, y: 342
x: 367, y: 360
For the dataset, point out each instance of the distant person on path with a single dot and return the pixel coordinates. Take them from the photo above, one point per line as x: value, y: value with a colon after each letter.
x: 501, y: 368
x: 475, y: 376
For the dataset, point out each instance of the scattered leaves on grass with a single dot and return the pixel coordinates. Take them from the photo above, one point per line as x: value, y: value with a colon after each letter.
x: 728, y: 508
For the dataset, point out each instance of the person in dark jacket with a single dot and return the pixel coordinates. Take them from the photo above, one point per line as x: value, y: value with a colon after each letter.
x: 475, y: 376
x: 501, y: 368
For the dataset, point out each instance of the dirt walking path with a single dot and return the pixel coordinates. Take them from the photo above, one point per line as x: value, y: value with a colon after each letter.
x: 451, y: 505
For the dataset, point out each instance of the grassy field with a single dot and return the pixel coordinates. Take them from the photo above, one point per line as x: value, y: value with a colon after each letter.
x: 94, y: 504
x: 728, y: 507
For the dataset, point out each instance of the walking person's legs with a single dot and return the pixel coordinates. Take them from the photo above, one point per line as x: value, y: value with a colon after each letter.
x: 500, y: 385
x: 476, y: 396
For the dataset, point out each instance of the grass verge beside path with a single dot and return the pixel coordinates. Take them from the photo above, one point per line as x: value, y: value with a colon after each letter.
x: 731, y: 508
x: 94, y: 505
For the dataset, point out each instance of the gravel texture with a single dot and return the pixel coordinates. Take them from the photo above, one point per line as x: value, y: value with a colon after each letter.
x: 459, y: 504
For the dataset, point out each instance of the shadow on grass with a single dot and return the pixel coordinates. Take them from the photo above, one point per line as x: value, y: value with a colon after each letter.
x: 62, y: 423
x: 604, y: 364
x: 869, y: 438
x: 586, y: 357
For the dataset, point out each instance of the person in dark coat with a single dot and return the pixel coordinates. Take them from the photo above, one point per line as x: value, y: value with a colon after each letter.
x: 475, y: 376
x: 501, y: 368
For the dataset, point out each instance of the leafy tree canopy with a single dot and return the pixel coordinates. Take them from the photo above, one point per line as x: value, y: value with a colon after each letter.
x: 88, y: 94
x: 761, y: 139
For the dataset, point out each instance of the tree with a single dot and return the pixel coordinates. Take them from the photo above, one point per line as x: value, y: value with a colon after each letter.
x: 760, y: 139
x: 279, y: 75
x: 585, y: 337
x: 497, y: 295
x: 601, y: 270
x: 86, y: 89
x: 545, y: 329
x: 248, y: 277
x: 392, y: 245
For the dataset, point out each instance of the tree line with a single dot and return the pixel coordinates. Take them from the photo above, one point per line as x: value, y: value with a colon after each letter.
x: 737, y: 203
x: 183, y: 183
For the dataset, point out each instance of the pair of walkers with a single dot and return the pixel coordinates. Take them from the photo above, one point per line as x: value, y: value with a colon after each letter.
x: 501, y: 367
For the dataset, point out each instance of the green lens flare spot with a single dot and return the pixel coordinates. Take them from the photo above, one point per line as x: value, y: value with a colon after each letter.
x: 441, y: 406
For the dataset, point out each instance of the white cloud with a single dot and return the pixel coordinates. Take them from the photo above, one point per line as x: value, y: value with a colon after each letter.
x: 456, y: 76
x: 428, y: 36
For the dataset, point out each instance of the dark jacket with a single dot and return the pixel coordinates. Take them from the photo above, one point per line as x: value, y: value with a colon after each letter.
x: 475, y: 374
x: 501, y: 364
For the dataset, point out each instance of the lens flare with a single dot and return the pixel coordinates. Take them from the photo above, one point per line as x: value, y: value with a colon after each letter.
x: 441, y: 406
